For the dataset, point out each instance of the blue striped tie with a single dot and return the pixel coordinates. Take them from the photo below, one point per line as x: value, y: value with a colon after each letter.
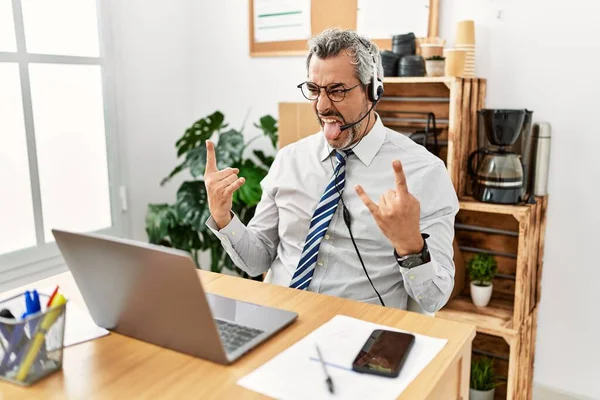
x: 320, y: 222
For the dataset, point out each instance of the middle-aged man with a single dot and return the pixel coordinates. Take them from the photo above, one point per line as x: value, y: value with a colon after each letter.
x: 355, y: 210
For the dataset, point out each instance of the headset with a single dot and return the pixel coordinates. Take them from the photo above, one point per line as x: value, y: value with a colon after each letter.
x: 374, y: 93
x: 374, y: 89
x: 375, y: 86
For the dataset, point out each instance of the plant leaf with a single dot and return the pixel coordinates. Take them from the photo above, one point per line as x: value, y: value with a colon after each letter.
x: 229, y: 149
x: 195, y: 136
x: 160, y: 218
x: 199, y: 132
x: 268, y: 125
x: 196, y: 159
x: 192, y: 205
x: 266, y: 160
x: 184, y: 237
x: 482, y: 267
x: 483, y: 376
x: 250, y: 192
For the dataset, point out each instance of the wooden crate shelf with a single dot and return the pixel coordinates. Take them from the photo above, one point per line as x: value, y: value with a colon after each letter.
x: 495, y: 319
x: 506, y: 328
x: 513, y: 234
x: 468, y: 203
x: 514, y: 359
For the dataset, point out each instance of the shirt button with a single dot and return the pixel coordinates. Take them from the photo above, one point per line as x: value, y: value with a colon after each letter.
x: 420, y: 297
x: 326, y: 237
x: 412, y: 277
x: 232, y: 233
x: 320, y: 264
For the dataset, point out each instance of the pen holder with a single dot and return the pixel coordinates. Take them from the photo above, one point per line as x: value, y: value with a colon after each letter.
x: 30, y: 347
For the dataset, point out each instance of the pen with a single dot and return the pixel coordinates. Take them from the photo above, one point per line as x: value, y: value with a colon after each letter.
x: 38, y: 340
x: 328, y: 380
x: 52, y: 296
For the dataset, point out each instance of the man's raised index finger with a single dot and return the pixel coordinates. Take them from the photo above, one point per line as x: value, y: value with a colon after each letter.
x: 400, y: 177
x: 211, y: 160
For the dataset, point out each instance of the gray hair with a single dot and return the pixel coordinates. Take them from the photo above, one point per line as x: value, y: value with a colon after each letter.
x: 331, y: 42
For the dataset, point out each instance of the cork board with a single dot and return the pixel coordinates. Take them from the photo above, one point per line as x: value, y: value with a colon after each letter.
x: 326, y: 14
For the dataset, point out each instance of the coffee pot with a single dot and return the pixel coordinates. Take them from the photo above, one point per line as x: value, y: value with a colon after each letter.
x: 496, y: 170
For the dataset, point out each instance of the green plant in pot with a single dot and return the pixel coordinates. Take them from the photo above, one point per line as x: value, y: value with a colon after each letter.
x: 182, y: 225
x: 482, y: 268
x: 484, y: 380
x: 435, y: 66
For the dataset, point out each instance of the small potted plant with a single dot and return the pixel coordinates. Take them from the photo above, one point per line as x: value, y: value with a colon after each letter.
x: 482, y: 269
x: 434, y: 66
x: 483, y: 379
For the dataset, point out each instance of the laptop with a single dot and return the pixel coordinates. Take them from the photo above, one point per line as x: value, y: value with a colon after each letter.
x: 153, y: 293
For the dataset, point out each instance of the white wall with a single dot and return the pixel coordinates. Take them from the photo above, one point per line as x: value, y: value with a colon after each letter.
x: 534, y: 57
x: 152, y: 44
x: 227, y: 78
x: 182, y: 60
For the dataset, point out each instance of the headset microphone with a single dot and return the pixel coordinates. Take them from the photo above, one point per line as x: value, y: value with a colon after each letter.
x: 350, y: 125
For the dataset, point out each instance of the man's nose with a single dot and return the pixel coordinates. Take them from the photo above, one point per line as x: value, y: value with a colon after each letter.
x: 323, y: 102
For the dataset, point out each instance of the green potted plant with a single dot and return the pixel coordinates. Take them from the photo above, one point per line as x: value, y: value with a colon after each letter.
x: 434, y: 65
x: 483, y: 379
x: 482, y: 269
x: 182, y: 224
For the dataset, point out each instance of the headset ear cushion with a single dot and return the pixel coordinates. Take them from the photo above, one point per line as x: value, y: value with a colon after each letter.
x: 379, y: 89
x: 370, y: 91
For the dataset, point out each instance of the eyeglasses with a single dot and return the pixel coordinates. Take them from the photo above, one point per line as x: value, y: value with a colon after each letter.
x: 335, y: 91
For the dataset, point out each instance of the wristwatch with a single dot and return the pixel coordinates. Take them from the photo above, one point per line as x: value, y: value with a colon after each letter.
x: 414, y: 260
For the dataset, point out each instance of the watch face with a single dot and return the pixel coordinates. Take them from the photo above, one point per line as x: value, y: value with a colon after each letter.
x: 412, y: 262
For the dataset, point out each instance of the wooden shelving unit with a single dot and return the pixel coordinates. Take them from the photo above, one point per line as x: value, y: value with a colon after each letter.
x: 514, y: 234
x: 506, y: 327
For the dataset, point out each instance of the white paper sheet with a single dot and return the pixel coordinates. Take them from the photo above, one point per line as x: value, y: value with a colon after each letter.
x: 79, y: 325
x: 297, y: 374
x: 279, y: 20
x: 381, y: 19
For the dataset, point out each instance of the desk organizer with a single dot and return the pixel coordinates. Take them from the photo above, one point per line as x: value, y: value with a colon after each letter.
x: 30, y: 347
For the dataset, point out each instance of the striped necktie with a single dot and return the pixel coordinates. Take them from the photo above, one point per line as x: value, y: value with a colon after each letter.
x: 320, y: 222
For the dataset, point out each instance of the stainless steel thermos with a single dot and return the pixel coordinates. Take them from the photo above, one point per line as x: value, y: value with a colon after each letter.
x: 541, y: 157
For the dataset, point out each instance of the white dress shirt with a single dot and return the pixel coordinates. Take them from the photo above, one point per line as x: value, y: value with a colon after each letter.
x: 274, y: 238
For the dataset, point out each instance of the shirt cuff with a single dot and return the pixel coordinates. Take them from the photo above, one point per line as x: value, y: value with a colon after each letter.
x: 231, y: 234
x: 420, y: 274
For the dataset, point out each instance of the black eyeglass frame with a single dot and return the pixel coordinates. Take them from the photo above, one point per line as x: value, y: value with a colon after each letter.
x: 344, y: 90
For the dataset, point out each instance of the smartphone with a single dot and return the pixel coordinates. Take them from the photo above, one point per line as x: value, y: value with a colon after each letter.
x: 384, y: 353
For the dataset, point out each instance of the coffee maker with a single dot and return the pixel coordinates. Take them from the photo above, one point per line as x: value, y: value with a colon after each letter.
x: 499, y: 167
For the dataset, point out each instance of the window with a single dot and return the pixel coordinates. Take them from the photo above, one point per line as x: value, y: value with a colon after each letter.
x: 56, y: 134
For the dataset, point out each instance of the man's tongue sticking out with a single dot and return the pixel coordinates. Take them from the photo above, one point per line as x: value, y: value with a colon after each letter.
x: 332, y: 129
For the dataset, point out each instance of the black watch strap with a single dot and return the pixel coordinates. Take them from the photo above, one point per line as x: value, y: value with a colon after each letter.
x: 414, y: 260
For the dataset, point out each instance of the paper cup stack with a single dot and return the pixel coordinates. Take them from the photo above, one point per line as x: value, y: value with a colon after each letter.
x: 465, y: 40
x: 455, y: 62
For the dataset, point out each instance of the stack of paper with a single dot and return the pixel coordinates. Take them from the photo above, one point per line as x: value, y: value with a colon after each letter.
x: 297, y: 374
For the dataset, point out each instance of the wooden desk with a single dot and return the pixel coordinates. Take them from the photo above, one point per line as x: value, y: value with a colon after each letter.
x: 118, y: 367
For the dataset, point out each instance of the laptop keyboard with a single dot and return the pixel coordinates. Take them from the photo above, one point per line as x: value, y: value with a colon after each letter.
x: 234, y: 336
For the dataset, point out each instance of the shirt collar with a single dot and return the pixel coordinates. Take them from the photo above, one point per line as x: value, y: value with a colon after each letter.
x: 367, y: 147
